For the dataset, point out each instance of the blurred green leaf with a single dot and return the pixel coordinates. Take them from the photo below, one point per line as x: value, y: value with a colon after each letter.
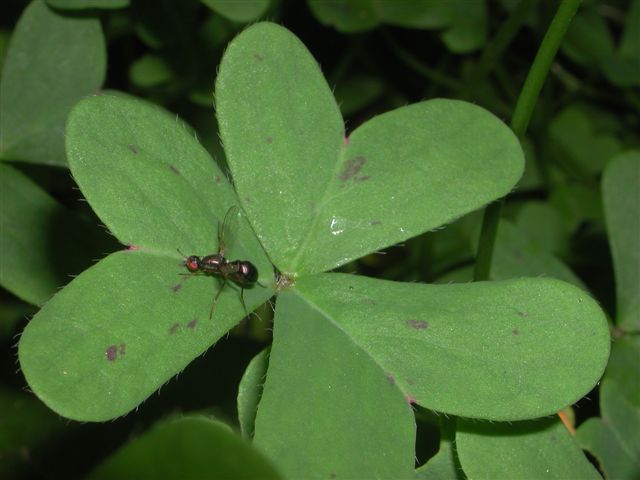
x: 630, y: 42
x: 347, y: 16
x: 5, y: 35
x: 127, y: 325
x: 187, y: 448
x: 53, y: 61
x: 150, y: 71
x: 621, y: 198
x: 427, y: 14
x: 588, y: 40
x: 426, y: 163
x: 42, y: 242
x: 250, y: 391
x: 624, y: 367
x: 26, y: 425
x: 87, y: 4
x: 544, y: 226
x: 585, y: 148
x: 517, y: 254
x: 244, y: 11
x: 357, y: 92
x: 577, y: 204
x: 468, y: 30
x: 614, y: 439
x: 526, y: 450
x: 463, y: 21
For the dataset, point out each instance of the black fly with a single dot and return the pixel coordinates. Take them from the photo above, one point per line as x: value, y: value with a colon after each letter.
x: 240, y: 272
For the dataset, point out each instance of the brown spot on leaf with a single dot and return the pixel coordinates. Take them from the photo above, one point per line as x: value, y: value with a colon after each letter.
x: 133, y: 149
x: 176, y: 287
x: 112, y: 353
x: 217, y: 179
x: 269, y: 140
x: 174, y: 169
x: 417, y: 324
x: 522, y: 314
x: 192, y: 324
x: 362, y: 178
x: 123, y: 349
x: 391, y: 379
x: 515, y: 331
x: 352, y: 167
x: 258, y: 57
x: 375, y: 222
x: 174, y: 328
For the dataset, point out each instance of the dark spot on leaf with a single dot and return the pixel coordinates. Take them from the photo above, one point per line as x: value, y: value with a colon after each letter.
x: 375, y: 222
x: 362, y: 178
x: 391, y: 379
x: 352, y: 167
x: 516, y: 331
x: 133, y: 149
x: 174, y: 328
x: 258, y: 57
x: 269, y: 140
x: 192, y: 324
x: 248, y: 199
x: 174, y: 169
x: 522, y: 314
x: 217, y: 179
x: 351, y: 288
x: 333, y: 475
x: 410, y: 381
x: 417, y: 324
x: 112, y: 353
x: 176, y: 287
x: 123, y: 349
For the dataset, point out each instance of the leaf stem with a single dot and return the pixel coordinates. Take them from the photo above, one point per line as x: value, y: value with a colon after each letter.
x: 520, y: 121
x: 499, y: 43
x: 412, y: 62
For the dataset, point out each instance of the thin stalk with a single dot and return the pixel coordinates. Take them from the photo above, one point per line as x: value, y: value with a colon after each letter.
x: 412, y: 62
x: 520, y: 121
x: 500, y: 41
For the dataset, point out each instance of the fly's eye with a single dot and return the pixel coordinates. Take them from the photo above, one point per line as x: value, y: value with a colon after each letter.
x: 192, y: 264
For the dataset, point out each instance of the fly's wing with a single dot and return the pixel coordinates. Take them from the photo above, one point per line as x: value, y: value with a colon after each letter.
x: 228, y: 229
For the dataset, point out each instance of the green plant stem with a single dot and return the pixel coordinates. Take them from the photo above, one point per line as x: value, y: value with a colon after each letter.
x: 520, y: 121
x: 412, y: 62
x: 499, y: 43
x: 437, y: 78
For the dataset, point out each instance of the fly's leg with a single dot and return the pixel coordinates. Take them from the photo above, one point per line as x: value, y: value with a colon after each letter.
x: 246, y: 313
x: 215, y: 299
